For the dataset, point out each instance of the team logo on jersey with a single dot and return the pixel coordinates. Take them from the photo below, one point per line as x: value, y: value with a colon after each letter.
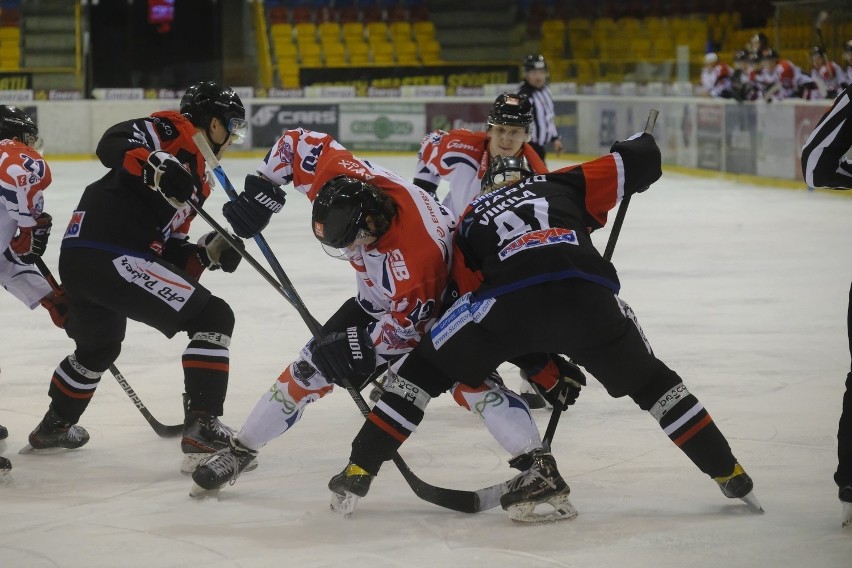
x: 397, y: 265
x: 540, y: 238
x: 284, y: 152
x: 74, y: 225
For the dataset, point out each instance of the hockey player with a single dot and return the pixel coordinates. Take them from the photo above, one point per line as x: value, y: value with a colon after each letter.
x: 126, y: 255
x: 24, y: 225
x: 781, y: 78
x: 398, y: 240
x: 828, y: 76
x: 716, y: 77
x: 461, y: 157
x: 847, y: 57
x: 824, y: 165
x: 534, y: 85
x: 525, y: 251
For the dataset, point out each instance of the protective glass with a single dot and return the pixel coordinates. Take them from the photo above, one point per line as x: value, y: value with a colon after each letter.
x: 35, y: 142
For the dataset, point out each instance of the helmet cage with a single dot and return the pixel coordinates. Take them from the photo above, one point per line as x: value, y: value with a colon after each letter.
x: 503, y: 171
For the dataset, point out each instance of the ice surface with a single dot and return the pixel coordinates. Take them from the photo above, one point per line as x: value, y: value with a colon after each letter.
x: 741, y: 289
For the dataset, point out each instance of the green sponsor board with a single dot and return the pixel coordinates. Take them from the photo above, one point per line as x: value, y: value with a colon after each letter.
x: 382, y: 126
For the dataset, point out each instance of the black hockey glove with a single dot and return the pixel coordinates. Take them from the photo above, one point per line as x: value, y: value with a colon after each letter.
x: 164, y: 173
x: 642, y: 162
x: 346, y: 355
x: 559, y: 382
x: 31, y: 242
x: 214, y: 252
x: 250, y: 213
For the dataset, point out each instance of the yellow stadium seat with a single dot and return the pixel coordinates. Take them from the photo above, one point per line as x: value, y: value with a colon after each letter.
x: 305, y: 31
x: 333, y: 50
x: 281, y: 31
x: 328, y: 30
x: 553, y: 27
x: 400, y: 31
x: 376, y: 31
x: 310, y: 54
x: 424, y: 29
x: 430, y: 52
x: 285, y: 48
x: 383, y: 53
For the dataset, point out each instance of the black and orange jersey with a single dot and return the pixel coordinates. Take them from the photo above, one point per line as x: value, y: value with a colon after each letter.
x: 119, y: 212
x: 538, y: 230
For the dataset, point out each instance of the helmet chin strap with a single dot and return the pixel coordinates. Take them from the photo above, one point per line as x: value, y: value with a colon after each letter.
x: 213, y: 145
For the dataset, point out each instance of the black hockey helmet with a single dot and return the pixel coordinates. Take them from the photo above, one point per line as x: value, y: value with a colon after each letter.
x: 534, y: 62
x: 505, y: 170
x: 14, y: 123
x: 341, y: 209
x: 208, y: 99
x: 511, y: 109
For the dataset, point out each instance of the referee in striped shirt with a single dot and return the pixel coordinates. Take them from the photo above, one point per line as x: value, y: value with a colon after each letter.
x: 543, y: 130
x: 824, y: 165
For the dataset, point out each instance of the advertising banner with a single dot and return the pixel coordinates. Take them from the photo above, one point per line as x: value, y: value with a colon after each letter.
x: 566, y: 124
x: 447, y: 116
x: 776, y: 141
x: 269, y: 121
x: 452, y: 76
x: 709, y: 120
x: 676, y: 133
x: 740, y: 139
x: 382, y: 126
x: 13, y: 81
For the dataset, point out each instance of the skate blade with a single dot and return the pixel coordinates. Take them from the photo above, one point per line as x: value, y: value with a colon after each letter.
x: 198, y: 492
x: 753, y: 504
x: 28, y: 449
x: 525, y: 512
x: 847, y: 516
x: 344, y: 504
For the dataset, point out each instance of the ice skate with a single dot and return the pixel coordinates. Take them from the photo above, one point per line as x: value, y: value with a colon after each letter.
x: 845, y: 495
x: 55, y: 433
x: 739, y: 485
x: 225, y: 466
x: 203, y: 435
x: 5, y: 469
x: 539, y: 484
x: 347, y: 487
x: 4, y: 433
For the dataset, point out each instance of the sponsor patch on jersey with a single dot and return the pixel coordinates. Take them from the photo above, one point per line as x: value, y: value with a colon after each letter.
x: 397, y: 265
x: 155, y: 279
x: 540, y: 238
x: 74, y: 225
x: 462, y: 312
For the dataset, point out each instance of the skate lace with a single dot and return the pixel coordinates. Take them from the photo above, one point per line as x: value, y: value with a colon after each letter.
x: 74, y: 433
x: 527, y: 478
x: 225, y: 464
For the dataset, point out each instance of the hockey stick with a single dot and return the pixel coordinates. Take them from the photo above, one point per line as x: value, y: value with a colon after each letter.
x: 159, y: 428
x: 455, y: 499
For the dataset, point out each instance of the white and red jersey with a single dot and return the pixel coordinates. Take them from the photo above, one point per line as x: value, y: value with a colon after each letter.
x: 787, y: 75
x: 832, y: 76
x: 716, y: 78
x: 24, y: 175
x: 460, y: 157
x: 402, y: 276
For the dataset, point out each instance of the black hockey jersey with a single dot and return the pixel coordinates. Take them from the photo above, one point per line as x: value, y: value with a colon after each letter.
x: 119, y: 212
x: 538, y: 230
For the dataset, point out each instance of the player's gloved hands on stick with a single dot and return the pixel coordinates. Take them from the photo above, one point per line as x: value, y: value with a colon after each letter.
x: 56, y: 304
x: 343, y: 355
x: 566, y: 378
x: 642, y: 162
x: 250, y: 213
x: 164, y: 173
x: 31, y: 242
x: 214, y: 252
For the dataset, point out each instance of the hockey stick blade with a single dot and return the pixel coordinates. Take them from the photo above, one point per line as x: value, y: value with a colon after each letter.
x: 160, y: 429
